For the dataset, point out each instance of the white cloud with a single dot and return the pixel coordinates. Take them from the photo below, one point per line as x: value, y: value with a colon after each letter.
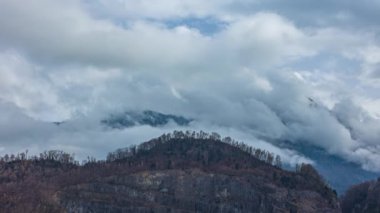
x: 64, y: 60
x: 21, y: 84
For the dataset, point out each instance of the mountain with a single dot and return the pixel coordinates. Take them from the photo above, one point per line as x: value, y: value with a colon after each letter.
x: 179, y: 172
x: 338, y: 172
x: 362, y: 198
x: 147, y: 117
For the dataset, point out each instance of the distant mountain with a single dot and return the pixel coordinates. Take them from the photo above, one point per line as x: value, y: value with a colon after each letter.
x: 179, y: 172
x: 147, y: 117
x: 338, y: 172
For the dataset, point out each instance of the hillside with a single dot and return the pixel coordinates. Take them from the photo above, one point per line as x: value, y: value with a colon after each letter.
x: 362, y: 198
x: 339, y: 172
x: 179, y: 172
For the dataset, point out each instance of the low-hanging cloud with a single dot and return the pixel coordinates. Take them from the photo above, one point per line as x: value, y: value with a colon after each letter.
x: 262, y: 74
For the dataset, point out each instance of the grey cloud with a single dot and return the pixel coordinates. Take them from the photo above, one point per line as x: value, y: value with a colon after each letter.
x: 85, y: 136
x: 60, y: 61
x: 362, y: 126
x: 69, y: 34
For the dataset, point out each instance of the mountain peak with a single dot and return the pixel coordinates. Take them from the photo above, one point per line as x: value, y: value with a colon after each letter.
x: 146, y: 117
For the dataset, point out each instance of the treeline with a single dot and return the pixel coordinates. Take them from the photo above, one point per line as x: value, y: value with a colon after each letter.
x: 123, y: 153
x: 51, y: 155
x: 133, y: 150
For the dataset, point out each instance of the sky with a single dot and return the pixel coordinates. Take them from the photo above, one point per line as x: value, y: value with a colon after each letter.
x: 297, y: 70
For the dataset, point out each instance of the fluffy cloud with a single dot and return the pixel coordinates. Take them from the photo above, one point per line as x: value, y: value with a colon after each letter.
x: 265, y: 73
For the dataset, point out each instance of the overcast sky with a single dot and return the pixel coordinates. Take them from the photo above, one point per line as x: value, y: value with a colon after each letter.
x: 245, y: 68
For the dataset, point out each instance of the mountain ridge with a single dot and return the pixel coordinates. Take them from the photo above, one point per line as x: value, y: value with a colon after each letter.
x: 349, y: 173
x: 173, y: 172
x: 147, y: 117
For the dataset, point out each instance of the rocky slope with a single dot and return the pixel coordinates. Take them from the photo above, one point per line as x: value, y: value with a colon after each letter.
x: 173, y: 173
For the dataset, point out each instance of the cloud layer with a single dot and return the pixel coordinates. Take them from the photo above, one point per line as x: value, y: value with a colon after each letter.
x: 252, y: 69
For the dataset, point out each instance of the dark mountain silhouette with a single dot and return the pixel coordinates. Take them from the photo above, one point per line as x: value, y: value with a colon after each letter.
x: 179, y: 172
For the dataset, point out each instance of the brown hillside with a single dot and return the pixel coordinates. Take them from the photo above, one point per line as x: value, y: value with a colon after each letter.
x: 180, y: 172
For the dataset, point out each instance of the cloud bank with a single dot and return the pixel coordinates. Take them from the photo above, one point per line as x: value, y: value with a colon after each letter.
x: 251, y: 69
